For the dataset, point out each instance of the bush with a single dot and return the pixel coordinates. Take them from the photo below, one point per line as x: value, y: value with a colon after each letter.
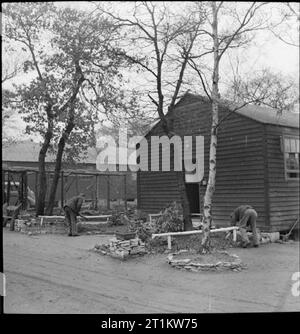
x: 170, y: 220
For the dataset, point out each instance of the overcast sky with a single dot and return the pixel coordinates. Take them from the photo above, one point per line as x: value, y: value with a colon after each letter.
x: 268, y: 51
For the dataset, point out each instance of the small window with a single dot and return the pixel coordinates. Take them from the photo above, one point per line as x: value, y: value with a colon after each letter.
x: 291, y: 157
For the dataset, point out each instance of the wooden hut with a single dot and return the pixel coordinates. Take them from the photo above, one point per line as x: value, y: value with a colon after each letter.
x: 257, y: 163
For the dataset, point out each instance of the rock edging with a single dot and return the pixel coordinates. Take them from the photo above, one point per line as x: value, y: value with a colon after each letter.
x: 191, y: 265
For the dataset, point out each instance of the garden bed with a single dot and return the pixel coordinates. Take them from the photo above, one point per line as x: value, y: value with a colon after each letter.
x: 194, y: 261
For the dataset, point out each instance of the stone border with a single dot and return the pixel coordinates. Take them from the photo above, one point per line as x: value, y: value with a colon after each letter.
x: 190, y: 265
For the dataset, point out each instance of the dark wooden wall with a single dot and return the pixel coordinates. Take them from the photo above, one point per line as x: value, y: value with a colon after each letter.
x: 156, y: 190
x: 240, y: 163
x: 240, y: 169
x: 283, y: 193
x: 250, y: 168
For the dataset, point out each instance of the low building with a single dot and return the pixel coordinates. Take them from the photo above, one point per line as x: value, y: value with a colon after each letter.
x: 257, y: 163
x: 82, y: 176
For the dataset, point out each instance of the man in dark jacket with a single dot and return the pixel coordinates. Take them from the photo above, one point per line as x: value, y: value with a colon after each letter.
x: 243, y: 216
x: 72, y: 209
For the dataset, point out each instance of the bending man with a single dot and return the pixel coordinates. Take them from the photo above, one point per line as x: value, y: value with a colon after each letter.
x: 243, y: 216
x: 72, y: 209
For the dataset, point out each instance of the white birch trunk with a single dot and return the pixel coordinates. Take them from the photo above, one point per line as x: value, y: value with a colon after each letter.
x: 213, y: 137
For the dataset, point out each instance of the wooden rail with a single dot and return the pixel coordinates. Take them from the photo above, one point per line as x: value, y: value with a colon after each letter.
x: 61, y: 217
x: 170, y: 234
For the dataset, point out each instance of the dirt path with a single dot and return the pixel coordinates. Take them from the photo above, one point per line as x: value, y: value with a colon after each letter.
x: 58, y: 274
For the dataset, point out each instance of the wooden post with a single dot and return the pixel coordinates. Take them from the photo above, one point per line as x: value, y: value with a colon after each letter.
x: 96, y: 205
x: 234, y: 235
x: 8, y: 188
x: 3, y: 188
x: 108, y: 192
x: 199, y: 194
x: 169, y: 242
x: 36, y: 189
x: 62, y: 189
x: 21, y: 191
x: 76, y: 184
x: 25, y: 192
x: 125, y: 193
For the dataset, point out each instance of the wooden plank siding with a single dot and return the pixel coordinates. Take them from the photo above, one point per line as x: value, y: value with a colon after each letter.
x: 283, y: 193
x: 240, y: 163
x: 156, y: 190
x: 240, y: 169
x: 250, y: 167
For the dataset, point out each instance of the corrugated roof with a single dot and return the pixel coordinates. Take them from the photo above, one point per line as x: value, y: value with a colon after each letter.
x: 270, y: 116
x: 29, y: 151
x: 22, y: 151
x: 258, y: 113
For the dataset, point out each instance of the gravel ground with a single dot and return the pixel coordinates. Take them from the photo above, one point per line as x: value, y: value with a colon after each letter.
x: 58, y: 274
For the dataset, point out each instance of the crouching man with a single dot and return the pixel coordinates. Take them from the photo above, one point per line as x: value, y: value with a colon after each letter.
x: 72, y: 209
x: 244, y: 216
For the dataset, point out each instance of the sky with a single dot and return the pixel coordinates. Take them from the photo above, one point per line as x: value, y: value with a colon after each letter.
x: 268, y: 51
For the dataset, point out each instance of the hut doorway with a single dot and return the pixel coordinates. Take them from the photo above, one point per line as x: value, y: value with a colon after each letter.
x: 193, y: 197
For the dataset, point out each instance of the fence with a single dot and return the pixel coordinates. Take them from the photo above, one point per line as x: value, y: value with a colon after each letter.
x: 102, y: 190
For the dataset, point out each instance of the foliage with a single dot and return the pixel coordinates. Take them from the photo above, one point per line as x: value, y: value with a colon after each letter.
x: 266, y: 88
x: 65, y: 45
x: 170, y: 219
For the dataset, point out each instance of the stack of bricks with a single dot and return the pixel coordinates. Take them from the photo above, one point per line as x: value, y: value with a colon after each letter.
x: 122, y: 248
x: 31, y: 226
x: 20, y: 225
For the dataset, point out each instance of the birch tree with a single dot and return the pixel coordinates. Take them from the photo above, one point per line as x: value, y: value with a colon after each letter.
x: 244, y: 22
x: 159, y: 42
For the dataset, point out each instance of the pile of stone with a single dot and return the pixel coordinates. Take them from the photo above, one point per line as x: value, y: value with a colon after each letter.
x: 31, y: 226
x: 122, y: 249
x: 234, y: 263
x: 20, y: 225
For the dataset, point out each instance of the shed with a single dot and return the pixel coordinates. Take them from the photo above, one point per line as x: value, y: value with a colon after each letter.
x: 257, y: 163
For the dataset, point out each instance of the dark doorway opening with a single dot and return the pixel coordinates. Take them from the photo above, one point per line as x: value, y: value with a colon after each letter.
x: 193, y: 197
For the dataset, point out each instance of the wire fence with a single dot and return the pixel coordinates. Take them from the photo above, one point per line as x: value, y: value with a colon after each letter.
x: 102, y: 191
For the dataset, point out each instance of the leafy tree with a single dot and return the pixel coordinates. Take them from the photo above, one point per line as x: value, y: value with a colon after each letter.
x: 159, y: 40
x: 77, y: 75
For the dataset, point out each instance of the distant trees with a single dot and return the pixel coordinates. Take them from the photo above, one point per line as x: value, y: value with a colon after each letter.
x: 265, y: 88
x: 289, y: 18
